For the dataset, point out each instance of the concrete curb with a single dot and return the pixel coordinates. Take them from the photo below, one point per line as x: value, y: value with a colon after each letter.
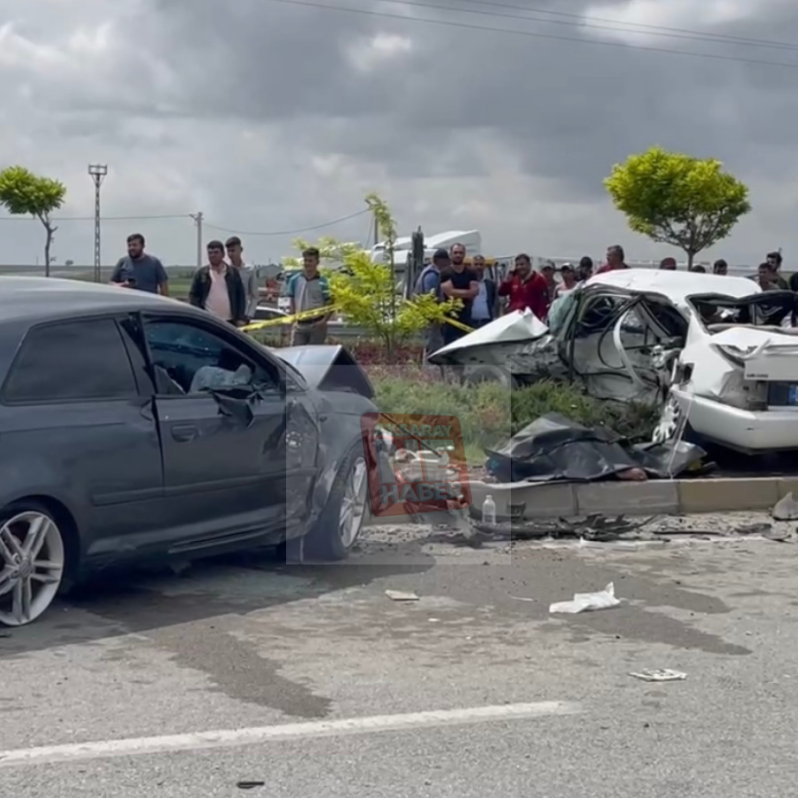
x: 657, y: 497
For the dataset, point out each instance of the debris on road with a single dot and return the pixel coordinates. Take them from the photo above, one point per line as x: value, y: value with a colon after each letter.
x: 660, y: 675
x: 398, y: 595
x: 583, y: 602
x: 785, y: 509
x: 250, y: 785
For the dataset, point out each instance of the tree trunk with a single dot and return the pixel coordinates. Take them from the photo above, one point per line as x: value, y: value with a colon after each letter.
x: 690, y: 257
x: 47, y: 242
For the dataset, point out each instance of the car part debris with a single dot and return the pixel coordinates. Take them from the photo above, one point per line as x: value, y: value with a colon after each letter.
x: 250, y: 785
x: 398, y: 595
x: 785, y: 509
x: 594, y: 527
x: 588, y: 602
x: 660, y: 675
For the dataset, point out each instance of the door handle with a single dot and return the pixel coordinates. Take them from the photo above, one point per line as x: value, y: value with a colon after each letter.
x: 184, y: 433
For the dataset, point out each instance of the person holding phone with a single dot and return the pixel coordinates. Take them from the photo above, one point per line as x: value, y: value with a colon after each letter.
x: 140, y: 271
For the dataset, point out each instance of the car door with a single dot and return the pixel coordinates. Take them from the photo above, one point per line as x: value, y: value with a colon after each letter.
x: 78, y: 429
x: 221, y: 411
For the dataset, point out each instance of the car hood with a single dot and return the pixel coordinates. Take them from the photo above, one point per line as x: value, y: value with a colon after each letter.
x: 514, y: 328
x: 328, y: 368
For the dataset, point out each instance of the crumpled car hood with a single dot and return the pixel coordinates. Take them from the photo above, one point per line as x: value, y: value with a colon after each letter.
x: 482, y: 345
x: 328, y: 368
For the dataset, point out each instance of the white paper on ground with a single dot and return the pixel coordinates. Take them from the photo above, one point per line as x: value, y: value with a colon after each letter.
x: 582, y: 602
x: 399, y: 595
x: 660, y: 675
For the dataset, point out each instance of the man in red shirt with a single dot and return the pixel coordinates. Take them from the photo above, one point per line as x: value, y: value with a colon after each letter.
x: 615, y: 260
x: 525, y: 288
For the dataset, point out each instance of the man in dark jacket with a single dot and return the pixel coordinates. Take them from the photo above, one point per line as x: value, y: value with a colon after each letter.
x: 219, y: 289
x: 485, y: 306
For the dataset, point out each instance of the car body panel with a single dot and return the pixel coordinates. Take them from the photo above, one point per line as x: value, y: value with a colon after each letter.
x: 185, y: 475
x: 708, y: 349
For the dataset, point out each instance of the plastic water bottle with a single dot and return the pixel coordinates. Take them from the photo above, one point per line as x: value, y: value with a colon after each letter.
x: 489, y: 511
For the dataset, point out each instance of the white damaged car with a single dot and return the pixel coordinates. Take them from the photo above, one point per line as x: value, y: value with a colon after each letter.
x: 717, y: 354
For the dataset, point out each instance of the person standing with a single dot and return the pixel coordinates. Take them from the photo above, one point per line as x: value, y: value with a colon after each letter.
x: 247, y: 272
x: 720, y: 267
x: 774, y: 259
x: 429, y: 282
x: 767, y: 277
x: 309, y: 290
x: 585, y: 270
x: 459, y: 282
x: 218, y: 289
x: 549, y: 272
x: 525, y: 288
x: 139, y: 270
x: 569, y: 281
x: 668, y: 264
x: 484, y: 307
x: 615, y: 260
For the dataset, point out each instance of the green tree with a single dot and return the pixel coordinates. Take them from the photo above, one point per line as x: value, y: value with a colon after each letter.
x: 332, y: 253
x: 22, y: 192
x: 676, y: 199
x: 366, y: 295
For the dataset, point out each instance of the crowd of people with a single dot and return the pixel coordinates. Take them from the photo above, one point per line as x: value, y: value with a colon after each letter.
x: 227, y: 286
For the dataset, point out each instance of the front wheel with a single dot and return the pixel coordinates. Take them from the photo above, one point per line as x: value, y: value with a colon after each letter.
x: 32, y: 563
x: 339, y: 526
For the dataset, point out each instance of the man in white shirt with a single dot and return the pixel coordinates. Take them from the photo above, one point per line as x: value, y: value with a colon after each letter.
x: 247, y: 272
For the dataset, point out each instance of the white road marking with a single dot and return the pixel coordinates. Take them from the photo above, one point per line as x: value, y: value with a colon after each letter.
x: 194, y: 741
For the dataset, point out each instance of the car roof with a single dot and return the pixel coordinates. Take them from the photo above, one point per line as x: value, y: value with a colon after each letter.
x: 676, y: 286
x: 40, y: 298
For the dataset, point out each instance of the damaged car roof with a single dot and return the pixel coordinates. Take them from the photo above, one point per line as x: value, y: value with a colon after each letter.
x: 676, y: 286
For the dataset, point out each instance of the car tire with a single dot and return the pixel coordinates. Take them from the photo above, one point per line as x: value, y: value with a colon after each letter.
x: 33, y: 562
x: 332, y: 537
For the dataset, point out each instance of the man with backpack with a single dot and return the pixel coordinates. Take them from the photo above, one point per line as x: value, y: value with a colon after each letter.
x: 429, y: 282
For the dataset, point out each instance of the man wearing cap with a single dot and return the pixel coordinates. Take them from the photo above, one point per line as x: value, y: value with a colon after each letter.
x: 569, y: 281
x: 247, y: 272
x: 429, y: 282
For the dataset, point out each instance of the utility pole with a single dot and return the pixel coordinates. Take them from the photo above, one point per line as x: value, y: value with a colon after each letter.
x: 376, y: 230
x: 97, y: 172
x: 197, y: 217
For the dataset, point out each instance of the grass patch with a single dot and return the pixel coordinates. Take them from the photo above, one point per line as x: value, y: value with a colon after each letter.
x: 489, y: 414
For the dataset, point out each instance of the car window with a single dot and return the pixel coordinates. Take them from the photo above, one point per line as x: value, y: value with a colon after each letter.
x: 71, y: 361
x: 190, y: 359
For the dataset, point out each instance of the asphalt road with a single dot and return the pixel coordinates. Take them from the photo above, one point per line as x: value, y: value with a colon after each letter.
x: 323, y: 686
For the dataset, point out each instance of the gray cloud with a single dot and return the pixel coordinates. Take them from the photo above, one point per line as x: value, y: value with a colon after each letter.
x: 270, y: 116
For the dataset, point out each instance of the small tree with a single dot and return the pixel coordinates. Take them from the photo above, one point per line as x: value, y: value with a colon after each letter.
x: 332, y: 253
x: 676, y: 199
x: 22, y: 192
x: 366, y: 295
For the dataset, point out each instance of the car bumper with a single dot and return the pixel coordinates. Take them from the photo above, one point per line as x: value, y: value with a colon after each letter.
x: 744, y: 430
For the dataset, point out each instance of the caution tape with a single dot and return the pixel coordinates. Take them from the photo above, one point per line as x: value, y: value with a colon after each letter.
x: 280, y: 320
x: 318, y: 312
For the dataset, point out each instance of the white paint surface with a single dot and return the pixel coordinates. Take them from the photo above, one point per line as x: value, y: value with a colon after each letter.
x: 194, y: 741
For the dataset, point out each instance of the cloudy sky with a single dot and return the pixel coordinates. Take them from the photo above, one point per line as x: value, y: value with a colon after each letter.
x: 496, y: 115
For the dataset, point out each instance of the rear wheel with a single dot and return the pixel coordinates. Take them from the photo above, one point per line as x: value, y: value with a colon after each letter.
x: 32, y: 563
x: 339, y: 526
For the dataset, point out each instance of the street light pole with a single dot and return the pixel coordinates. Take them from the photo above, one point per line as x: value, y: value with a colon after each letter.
x: 197, y: 217
x: 97, y: 172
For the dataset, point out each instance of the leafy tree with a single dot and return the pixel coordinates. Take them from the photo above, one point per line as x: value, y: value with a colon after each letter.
x: 367, y: 296
x: 676, y: 199
x: 22, y: 192
x: 366, y: 293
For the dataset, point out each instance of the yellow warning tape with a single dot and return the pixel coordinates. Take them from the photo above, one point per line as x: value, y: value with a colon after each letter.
x: 316, y: 312
x: 305, y: 314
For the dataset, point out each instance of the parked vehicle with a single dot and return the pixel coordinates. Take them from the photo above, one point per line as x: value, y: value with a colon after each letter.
x: 135, y: 426
x: 711, y: 351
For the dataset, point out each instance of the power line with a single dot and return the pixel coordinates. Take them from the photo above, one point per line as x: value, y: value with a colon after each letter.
x: 288, y: 232
x: 91, y: 218
x: 532, y: 34
x: 644, y: 27
x: 585, y: 23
